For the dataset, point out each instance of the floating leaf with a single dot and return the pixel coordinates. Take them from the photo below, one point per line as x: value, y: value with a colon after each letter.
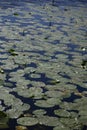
x: 83, y: 112
x: 70, y: 122
x: 48, y: 121
x: 34, y: 92
x: 54, y: 101
x: 61, y: 127
x: 83, y: 119
x: 67, y: 105
x: 14, y: 113
x: 17, y: 110
x: 54, y: 94
x: 27, y: 121
x: 39, y: 112
x: 43, y: 63
x: 62, y: 113
x: 43, y: 103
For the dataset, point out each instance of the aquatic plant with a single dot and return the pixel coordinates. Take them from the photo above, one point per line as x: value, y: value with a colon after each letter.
x: 42, y: 84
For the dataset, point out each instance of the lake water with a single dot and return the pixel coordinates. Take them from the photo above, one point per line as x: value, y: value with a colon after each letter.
x: 43, y: 64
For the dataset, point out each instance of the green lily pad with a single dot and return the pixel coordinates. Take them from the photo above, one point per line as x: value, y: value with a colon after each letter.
x: 83, y: 120
x: 54, y: 101
x: 43, y: 103
x: 27, y: 121
x: 83, y: 112
x: 61, y: 127
x: 14, y: 113
x: 79, y: 103
x: 54, y: 94
x: 48, y: 121
x: 70, y: 122
x: 44, y: 63
x: 33, y: 92
x: 62, y: 113
x: 39, y: 112
x: 17, y: 110
x: 67, y: 105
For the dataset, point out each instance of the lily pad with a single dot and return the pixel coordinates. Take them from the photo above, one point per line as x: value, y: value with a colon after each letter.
x: 83, y: 112
x: 83, y: 120
x: 39, y: 112
x: 33, y: 92
x: 14, y: 113
x: 48, y: 121
x: 62, y: 113
x: 61, y: 127
x: 70, y: 122
x: 17, y: 110
x: 27, y: 121
x: 42, y: 63
x: 43, y: 103
x: 54, y: 94
x: 54, y: 101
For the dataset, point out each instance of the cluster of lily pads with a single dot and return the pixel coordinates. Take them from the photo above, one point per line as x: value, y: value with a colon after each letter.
x: 43, y: 65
